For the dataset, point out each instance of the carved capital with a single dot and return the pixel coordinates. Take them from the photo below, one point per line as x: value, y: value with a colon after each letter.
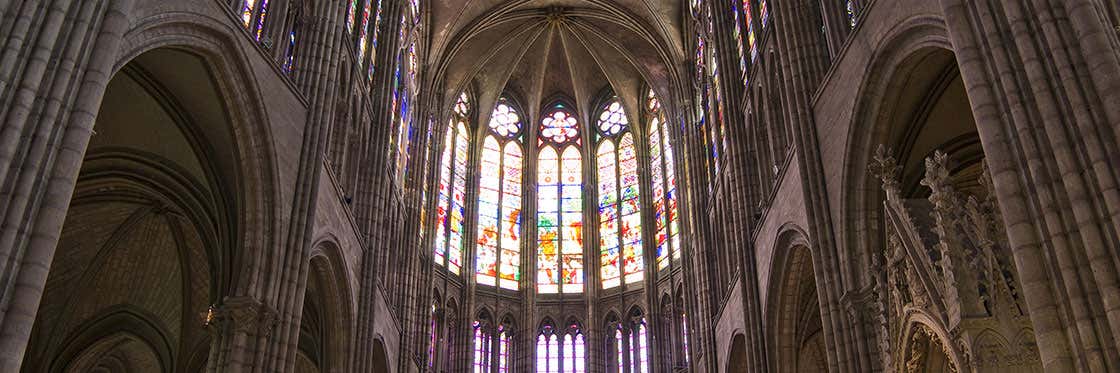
x: 242, y: 315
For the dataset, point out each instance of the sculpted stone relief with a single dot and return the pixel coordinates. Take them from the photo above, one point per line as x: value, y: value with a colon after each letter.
x: 946, y: 269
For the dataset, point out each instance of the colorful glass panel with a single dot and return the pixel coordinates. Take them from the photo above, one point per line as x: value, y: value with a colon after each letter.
x: 290, y: 52
x: 763, y: 13
x: 443, y: 198
x: 455, y: 242
x: 350, y: 14
x: 620, y: 352
x: 850, y: 10
x: 560, y: 127
x: 510, y: 267
x: 571, y: 202
x: 498, y: 255
x: 620, y: 252
x: 503, y: 351
x: 548, y: 220
x: 505, y: 121
x: 641, y: 353
x: 613, y: 119
x: 363, y: 30
x: 261, y: 18
x: 560, y: 263
x: 748, y: 22
x: 481, y: 361
x: 247, y: 9
x: 372, y: 60
x: 738, y: 36
x: 489, y: 195
x: 609, y: 248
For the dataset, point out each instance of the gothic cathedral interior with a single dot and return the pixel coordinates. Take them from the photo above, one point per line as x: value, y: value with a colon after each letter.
x: 559, y: 186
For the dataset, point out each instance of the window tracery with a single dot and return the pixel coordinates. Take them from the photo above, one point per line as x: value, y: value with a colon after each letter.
x: 450, y: 200
x: 559, y: 204
x: 498, y: 249
x: 664, y: 185
x: 561, y: 351
x: 620, y: 218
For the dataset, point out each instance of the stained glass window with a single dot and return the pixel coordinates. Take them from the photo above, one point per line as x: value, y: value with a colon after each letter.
x: 253, y: 15
x: 371, y: 62
x: 718, y: 128
x: 402, y: 97
x: 290, y: 52
x: 504, y: 351
x: 450, y: 197
x: 620, y: 349
x: 351, y: 13
x: 561, y: 353
x: 737, y: 34
x: 850, y: 10
x: 763, y: 13
x: 559, y: 206
x: 363, y: 30
x: 620, y: 218
x: 663, y: 177
x: 748, y: 23
x: 497, y: 250
x: 639, y: 350
x: 482, y: 345
x: 433, y: 336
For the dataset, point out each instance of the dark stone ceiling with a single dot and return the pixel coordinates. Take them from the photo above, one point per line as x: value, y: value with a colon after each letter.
x: 539, y: 51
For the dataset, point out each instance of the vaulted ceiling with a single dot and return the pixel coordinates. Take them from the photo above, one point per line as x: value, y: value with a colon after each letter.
x: 541, y: 50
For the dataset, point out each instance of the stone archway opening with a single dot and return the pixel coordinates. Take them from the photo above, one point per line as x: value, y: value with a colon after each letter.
x: 799, y: 331
x: 737, y: 359
x: 146, y: 229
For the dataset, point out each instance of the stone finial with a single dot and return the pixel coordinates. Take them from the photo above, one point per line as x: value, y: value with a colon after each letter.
x: 937, y: 179
x: 886, y: 168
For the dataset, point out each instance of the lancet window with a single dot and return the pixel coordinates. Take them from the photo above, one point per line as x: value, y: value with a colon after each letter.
x: 559, y: 204
x: 620, y: 218
x: 498, y: 244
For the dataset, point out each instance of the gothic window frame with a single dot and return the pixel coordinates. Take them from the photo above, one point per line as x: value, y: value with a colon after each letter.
x: 664, y: 187
x: 504, y: 143
x: 457, y: 142
x: 549, y: 143
x: 560, y: 345
x: 612, y: 201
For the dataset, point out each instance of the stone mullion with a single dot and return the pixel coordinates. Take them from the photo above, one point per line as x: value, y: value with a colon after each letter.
x: 65, y: 92
x: 800, y: 60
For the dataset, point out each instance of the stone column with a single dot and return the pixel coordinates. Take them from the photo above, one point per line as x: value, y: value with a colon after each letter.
x: 803, y: 64
x: 1041, y: 79
x: 234, y: 326
x: 57, y: 59
x: 286, y: 278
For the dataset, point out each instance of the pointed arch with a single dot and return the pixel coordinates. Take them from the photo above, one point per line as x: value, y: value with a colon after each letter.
x: 501, y: 170
x: 560, y: 266
x: 621, y: 257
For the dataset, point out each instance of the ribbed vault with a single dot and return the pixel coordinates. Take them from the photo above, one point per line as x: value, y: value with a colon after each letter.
x: 542, y: 50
